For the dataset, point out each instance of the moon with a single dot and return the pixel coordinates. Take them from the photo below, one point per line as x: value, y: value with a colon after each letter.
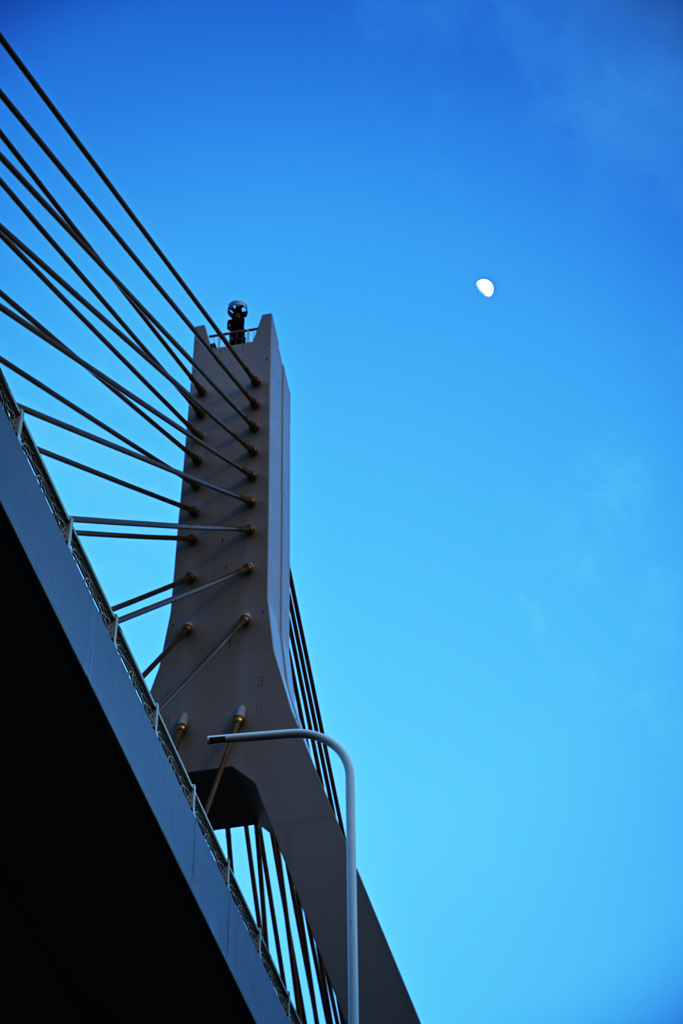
x: 485, y: 287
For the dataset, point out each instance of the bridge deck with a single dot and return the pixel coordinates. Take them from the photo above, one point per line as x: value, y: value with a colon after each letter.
x: 107, y: 878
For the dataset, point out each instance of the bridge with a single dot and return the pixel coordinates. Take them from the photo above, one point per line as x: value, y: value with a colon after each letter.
x: 146, y: 867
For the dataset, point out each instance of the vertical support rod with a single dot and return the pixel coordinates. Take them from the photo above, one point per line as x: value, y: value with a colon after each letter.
x: 351, y: 875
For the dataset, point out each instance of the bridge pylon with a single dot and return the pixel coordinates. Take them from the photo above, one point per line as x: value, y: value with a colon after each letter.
x: 233, y: 666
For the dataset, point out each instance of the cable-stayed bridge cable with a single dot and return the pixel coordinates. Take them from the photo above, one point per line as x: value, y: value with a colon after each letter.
x: 127, y: 249
x: 98, y: 170
x: 77, y: 235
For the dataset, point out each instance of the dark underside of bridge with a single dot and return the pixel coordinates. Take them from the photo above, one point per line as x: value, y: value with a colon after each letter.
x: 99, y: 921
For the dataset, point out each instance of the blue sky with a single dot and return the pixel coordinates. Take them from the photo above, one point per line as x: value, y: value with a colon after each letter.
x: 486, y: 492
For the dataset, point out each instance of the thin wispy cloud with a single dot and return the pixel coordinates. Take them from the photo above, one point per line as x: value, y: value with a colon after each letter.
x: 534, y: 613
x: 619, y: 491
x: 658, y: 616
x: 608, y: 495
x: 608, y: 74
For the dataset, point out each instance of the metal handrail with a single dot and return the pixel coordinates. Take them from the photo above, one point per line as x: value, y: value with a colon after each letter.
x: 245, y: 330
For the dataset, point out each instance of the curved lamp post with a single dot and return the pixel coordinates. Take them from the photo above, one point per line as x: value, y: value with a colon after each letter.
x: 351, y: 878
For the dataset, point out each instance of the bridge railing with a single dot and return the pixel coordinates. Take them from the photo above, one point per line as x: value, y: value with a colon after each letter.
x: 248, y: 332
